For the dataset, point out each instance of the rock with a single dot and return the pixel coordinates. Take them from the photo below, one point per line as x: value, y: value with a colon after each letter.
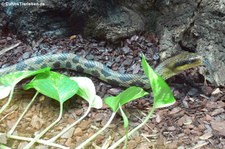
x: 193, y: 92
x: 206, y: 136
x: 126, y: 49
x: 175, y: 110
x: 9, y: 38
x: 99, y: 117
x: 70, y: 143
x: 185, y: 120
x: 26, y: 55
x: 3, y: 139
x: 218, y: 127
x: 208, y: 117
x: 172, y: 128
x: 78, y: 112
x: 114, y: 91
x: 84, y: 124
x: 127, y: 62
x: 216, y: 91
x: 131, y: 144
x: 203, y: 39
x: 68, y: 134
x: 110, y: 20
x: 37, y: 122
x: 217, y: 111
x: 136, y: 68
x: 78, y: 132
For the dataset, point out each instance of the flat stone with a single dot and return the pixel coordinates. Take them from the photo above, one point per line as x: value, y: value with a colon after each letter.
x: 70, y: 143
x: 206, y: 136
x: 172, y: 128
x: 218, y: 127
x: 26, y: 55
x: 3, y: 139
x: 126, y: 49
x: 78, y: 112
x: 114, y: 91
x: 68, y: 134
x: 217, y: 111
x: 78, y: 132
x: 192, y: 92
x: 127, y: 62
x: 136, y: 68
x: 99, y: 117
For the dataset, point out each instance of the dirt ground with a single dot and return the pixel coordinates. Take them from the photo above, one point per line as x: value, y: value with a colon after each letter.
x: 196, y: 120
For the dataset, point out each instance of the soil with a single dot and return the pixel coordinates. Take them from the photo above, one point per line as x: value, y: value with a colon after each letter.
x: 196, y: 120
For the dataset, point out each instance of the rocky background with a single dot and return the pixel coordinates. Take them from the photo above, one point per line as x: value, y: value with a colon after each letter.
x: 192, y: 25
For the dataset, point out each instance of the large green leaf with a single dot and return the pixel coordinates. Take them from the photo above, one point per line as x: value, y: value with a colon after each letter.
x: 9, y: 81
x: 126, y: 96
x: 13, y: 78
x: 163, y: 96
x: 54, y: 85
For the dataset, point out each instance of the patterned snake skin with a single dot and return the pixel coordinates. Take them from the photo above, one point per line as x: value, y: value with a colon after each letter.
x: 166, y: 69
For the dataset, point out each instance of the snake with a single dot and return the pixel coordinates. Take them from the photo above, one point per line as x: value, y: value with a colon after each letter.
x: 166, y: 69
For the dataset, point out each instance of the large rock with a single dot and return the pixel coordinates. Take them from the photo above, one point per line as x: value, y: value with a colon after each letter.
x: 192, y: 25
x: 110, y: 20
x: 195, y: 26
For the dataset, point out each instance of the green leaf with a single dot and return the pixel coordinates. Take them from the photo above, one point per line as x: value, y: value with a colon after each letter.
x: 163, y: 96
x: 87, y: 91
x: 12, y: 79
x: 130, y: 94
x: 9, y: 81
x: 54, y: 85
x: 126, y: 96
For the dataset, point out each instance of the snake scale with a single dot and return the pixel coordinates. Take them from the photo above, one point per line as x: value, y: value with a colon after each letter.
x: 166, y: 69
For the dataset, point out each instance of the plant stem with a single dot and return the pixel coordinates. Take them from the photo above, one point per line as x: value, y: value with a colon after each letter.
x: 97, y: 133
x: 8, y: 102
x: 45, y: 142
x: 135, y: 129
x: 46, y: 129
x: 126, y: 141
x: 24, y: 112
x: 72, y: 125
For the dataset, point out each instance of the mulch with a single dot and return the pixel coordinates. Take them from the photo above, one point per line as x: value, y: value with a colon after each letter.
x: 196, y: 120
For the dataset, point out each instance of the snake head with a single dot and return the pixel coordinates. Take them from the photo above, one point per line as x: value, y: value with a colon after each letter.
x: 179, y: 63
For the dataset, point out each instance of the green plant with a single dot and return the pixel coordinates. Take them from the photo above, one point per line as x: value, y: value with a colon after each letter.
x: 58, y: 87
x: 115, y: 103
x: 87, y: 92
x: 9, y: 81
x: 162, y: 94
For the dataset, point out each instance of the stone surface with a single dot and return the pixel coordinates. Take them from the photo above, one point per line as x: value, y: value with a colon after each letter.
x: 196, y: 26
x: 69, y: 133
x: 96, y: 18
x: 218, y: 127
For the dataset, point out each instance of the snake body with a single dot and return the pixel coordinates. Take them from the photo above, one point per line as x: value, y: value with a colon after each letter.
x: 166, y: 69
